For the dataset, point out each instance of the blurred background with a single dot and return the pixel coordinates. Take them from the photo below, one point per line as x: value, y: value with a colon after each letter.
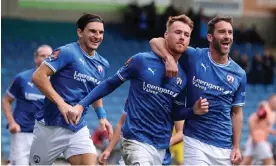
x: 130, y: 24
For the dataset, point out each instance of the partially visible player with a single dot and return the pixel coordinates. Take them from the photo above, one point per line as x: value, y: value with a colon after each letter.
x: 75, y: 69
x: 21, y: 121
x: 176, y: 138
x: 147, y: 130
x: 260, y: 126
x: 213, y: 75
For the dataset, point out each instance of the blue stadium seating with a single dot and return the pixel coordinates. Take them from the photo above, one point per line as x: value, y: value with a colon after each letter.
x: 21, y: 38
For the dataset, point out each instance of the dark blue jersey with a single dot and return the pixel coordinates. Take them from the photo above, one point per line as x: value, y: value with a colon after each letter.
x: 28, y: 99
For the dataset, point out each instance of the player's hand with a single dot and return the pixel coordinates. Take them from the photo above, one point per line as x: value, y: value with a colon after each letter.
x: 236, y: 156
x: 105, y: 125
x: 171, y: 67
x: 103, y: 157
x: 201, y: 106
x: 74, y: 114
x: 64, y: 109
x: 14, y: 128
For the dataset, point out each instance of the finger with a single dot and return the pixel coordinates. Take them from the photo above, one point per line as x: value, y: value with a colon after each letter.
x: 203, y: 100
x: 205, y: 107
x: 78, y: 119
x: 204, y: 104
x: 66, y: 119
x: 200, y: 98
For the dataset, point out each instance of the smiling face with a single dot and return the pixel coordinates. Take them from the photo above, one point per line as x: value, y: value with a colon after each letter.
x: 92, y: 35
x: 222, y: 37
x: 178, y: 37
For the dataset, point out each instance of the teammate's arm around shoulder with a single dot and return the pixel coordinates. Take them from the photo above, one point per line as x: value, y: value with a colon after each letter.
x: 114, y: 140
x: 158, y: 46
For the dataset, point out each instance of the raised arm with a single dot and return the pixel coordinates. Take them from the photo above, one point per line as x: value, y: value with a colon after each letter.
x: 158, y: 46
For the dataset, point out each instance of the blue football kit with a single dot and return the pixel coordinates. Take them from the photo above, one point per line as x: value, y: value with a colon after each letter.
x: 150, y: 100
x: 28, y: 100
x: 224, y: 87
x: 75, y: 75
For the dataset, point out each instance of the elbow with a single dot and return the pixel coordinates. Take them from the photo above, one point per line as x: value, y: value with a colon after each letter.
x: 35, y: 78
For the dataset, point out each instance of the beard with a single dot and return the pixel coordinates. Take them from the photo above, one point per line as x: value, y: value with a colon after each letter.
x: 217, y: 46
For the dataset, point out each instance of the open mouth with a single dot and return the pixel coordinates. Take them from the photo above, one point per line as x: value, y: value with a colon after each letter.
x: 225, y: 44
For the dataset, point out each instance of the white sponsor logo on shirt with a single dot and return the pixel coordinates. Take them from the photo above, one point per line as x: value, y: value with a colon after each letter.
x: 156, y: 89
x: 83, y: 78
x: 33, y: 96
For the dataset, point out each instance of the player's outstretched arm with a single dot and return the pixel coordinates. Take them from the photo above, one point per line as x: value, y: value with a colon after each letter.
x: 158, y: 46
x: 180, y: 112
x: 102, y: 90
x: 41, y: 81
x: 237, y: 117
x: 114, y: 140
x: 178, y: 136
x: 7, y: 109
x: 105, y: 88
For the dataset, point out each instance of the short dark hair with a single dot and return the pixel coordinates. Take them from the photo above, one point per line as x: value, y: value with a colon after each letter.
x: 87, y: 18
x: 212, y: 23
x: 182, y: 18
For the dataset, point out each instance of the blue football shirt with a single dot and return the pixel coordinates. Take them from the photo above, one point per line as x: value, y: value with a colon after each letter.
x: 150, y: 99
x: 224, y: 87
x: 75, y: 75
x: 28, y: 99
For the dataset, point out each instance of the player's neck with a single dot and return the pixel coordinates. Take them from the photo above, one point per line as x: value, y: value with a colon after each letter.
x: 87, y: 50
x: 220, y: 59
x: 176, y: 56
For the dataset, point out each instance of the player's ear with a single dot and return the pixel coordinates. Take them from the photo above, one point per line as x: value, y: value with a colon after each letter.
x: 166, y: 35
x: 79, y: 32
x: 209, y: 37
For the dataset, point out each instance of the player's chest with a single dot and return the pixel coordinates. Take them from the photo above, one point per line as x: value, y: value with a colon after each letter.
x: 86, y: 71
x: 209, y: 77
x: 152, y: 78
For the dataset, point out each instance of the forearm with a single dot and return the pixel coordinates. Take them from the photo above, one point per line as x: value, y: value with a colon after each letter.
x: 101, y: 90
x: 177, y: 138
x: 115, y: 138
x: 237, y: 118
x: 44, y: 85
x: 7, y: 109
x: 182, y: 113
x: 158, y: 46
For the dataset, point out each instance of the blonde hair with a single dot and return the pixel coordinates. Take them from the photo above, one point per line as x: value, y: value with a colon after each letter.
x: 182, y: 18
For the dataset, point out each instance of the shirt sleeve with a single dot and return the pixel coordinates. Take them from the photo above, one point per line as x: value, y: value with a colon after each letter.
x: 59, y: 58
x: 184, y: 61
x: 130, y: 69
x: 14, y: 90
x: 239, y: 98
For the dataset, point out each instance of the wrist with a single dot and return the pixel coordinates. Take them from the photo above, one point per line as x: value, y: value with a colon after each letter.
x: 101, y: 114
x: 79, y: 107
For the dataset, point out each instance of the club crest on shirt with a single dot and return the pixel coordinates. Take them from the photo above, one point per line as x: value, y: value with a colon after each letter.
x: 128, y: 61
x: 178, y: 81
x: 54, y: 55
x: 100, y: 68
x: 230, y: 78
